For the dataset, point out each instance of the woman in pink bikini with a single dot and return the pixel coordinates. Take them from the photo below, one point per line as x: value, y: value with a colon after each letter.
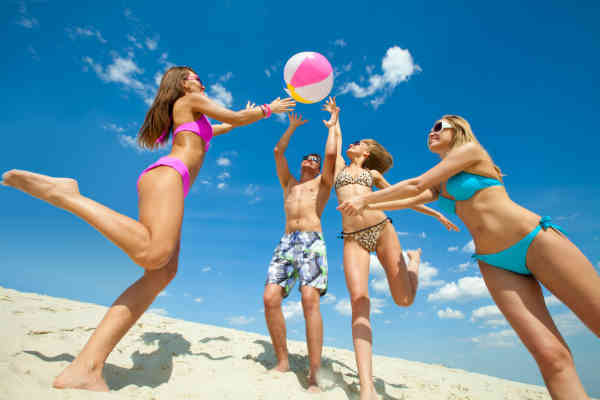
x: 152, y: 242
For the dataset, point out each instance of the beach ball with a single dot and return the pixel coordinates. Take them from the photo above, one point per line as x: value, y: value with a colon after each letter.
x: 308, y: 76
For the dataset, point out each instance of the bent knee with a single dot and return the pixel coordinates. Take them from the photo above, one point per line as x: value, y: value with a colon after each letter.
x: 553, y: 358
x: 156, y: 258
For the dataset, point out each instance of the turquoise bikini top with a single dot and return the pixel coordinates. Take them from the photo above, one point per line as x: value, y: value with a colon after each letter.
x: 463, y: 186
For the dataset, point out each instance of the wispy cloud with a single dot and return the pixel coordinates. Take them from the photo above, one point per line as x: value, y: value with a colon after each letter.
x: 163, y: 293
x: 25, y: 19
x: 292, y: 310
x: 470, y: 287
x: 152, y: 44
x: 206, y: 269
x: 485, y: 312
x: 344, y: 307
x: 253, y: 192
x: 504, y: 338
x: 328, y: 299
x: 452, y: 248
x: 449, y: 313
x: 130, y: 142
x: 240, y: 320
x: 568, y: 324
x: 199, y: 299
x: 78, y: 31
x: 223, y: 161
x: 552, y: 301
x: 397, y: 66
x: 469, y: 247
x: 113, y: 127
x: 158, y: 311
x: 221, y: 95
x: 340, y: 43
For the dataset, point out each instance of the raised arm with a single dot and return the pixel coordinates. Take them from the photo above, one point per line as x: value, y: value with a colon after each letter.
x: 329, y: 165
x: 339, y: 160
x: 220, y: 129
x: 283, y: 171
x: 203, y: 104
x: 455, y: 161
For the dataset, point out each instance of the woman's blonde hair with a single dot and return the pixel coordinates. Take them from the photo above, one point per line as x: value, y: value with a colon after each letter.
x: 464, y: 134
x: 379, y: 158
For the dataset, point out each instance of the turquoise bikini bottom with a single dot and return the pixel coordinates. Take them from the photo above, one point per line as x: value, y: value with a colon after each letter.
x: 515, y: 257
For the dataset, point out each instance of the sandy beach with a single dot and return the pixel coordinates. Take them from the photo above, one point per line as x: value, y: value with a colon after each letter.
x: 167, y: 358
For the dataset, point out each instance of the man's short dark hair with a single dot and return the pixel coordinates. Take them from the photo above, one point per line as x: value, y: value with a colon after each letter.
x: 314, y: 155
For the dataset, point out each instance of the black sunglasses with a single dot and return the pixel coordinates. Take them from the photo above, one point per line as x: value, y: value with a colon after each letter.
x: 357, y: 143
x: 312, y: 158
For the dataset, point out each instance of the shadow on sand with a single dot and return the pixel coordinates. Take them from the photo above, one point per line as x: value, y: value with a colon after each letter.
x: 149, y: 369
x: 299, y: 366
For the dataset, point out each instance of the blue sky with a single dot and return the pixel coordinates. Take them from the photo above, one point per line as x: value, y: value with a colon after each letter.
x: 77, y: 79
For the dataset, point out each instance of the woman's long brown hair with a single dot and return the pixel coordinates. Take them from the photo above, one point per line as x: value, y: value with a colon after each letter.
x: 158, y: 118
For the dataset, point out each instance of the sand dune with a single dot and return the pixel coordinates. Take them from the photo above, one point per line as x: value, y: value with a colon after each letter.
x: 166, y: 358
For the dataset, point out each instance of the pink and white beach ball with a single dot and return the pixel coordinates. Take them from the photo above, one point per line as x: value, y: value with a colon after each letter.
x: 308, y: 76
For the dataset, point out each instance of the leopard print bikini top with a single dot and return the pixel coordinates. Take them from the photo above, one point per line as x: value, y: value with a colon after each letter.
x: 344, y: 178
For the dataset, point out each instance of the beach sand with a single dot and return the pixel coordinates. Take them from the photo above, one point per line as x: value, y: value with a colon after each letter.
x: 167, y: 358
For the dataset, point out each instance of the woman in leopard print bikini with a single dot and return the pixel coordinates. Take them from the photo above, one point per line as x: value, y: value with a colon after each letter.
x: 363, y: 234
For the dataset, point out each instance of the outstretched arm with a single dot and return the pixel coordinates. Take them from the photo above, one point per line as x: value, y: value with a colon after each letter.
x: 283, y: 171
x: 203, y: 104
x: 329, y: 164
x: 455, y: 161
x: 220, y: 129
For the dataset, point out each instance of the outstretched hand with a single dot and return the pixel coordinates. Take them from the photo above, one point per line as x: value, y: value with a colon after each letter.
x: 296, y: 120
x: 334, y: 110
x: 282, y: 105
x: 354, y: 206
x: 448, y: 224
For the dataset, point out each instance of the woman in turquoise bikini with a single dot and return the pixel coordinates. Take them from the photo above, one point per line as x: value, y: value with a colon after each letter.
x: 516, y: 248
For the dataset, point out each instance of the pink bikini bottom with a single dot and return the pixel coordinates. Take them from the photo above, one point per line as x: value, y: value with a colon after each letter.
x: 177, y: 165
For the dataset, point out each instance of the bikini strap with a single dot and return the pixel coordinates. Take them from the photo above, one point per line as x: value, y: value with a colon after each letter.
x: 546, y: 222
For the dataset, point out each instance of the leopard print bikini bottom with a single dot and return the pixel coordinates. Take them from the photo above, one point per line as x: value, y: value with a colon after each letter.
x: 367, y: 237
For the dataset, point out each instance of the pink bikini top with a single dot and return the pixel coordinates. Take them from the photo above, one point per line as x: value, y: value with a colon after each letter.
x: 200, y: 127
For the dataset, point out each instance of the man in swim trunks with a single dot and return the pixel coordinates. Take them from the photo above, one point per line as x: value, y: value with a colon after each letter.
x: 301, y: 252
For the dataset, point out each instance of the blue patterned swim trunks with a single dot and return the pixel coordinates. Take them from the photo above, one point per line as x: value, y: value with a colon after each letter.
x: 299, y: 255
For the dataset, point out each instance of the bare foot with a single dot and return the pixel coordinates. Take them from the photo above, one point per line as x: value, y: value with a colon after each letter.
x: 281, y: 367
x: 75, y: 377
x: 47, y: 188
x: 369, y: 394
x: 313, y: 385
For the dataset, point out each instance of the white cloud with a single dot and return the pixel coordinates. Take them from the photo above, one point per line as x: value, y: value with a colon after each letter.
x: 387, y: 322
x: 402, y: 233
x: 495, y: 323
x: 449, y: 313
x: 397, y: 66
x: 422, y: 235
x: 470, y: 287
x: 344, y: 307
x: 252, y: 191
x: 281, y: 117
x: 226, y: 77
x: 568, y: 324
x: 158, y: 311
x: 221, y: 95
x: 130, y: 142
x: 221, y: 186
x: 151, y: 44
x: 224, y: 176
x: 485, y: 312
x: 163, y: 293
x: 377, y: 305
x: 199, y: 299
x: 504, y: 338
x: 340, y: 43
x: 206, y: 269
x: 85, y: 32
x: 464, y: 266
x: 113, y: 127
x: 240, y: 320
x: 268, y: 73
x: 292, y: 310
x: 469, y: 247
x: 223, y: 161
x: 328, y: 299
x: 452, y: 248
x: 379, y: 283
x: 123, y: 71
x: 552, y: 301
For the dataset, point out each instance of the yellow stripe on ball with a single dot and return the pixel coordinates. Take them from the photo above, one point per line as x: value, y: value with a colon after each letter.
x: 296, y: 96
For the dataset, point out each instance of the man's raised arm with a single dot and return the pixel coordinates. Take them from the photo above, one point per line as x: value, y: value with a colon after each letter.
x: 283, y: 171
